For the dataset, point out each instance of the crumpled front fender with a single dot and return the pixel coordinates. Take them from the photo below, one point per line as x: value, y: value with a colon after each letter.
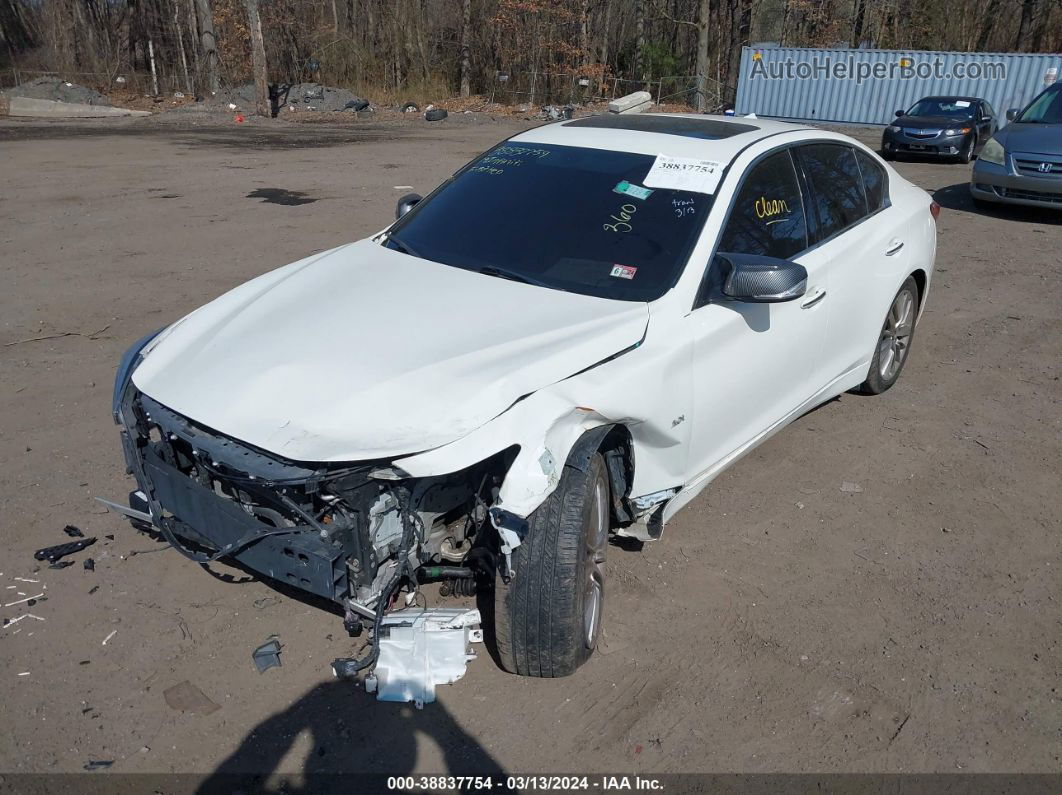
x: 544, y: 425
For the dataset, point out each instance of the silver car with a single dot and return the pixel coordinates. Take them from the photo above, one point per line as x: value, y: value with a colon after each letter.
x: 1022, y: 163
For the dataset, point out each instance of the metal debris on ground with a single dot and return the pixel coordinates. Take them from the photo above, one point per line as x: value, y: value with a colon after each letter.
x: 98, y: 764
x: 73, y: 531
x: 90, y: 564
x: 107, y: 639
x: 267, y: 655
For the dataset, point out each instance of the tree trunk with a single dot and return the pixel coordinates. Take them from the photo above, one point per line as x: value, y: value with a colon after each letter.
x: 154, y: 74
x: 606, y: 28
x: 733, y: 62
x: 466, y: 55
x: 584, y: 32
x: 858, y: 18
x: 704, y: 10
x: 1028, y: 8
x: 1040, y: 32
x: 180, y: 45
x: 258, y: 60
x: 639, y: 38
x: 208, y: 43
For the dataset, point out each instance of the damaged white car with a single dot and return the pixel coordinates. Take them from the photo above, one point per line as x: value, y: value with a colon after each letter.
x: 566, y: 340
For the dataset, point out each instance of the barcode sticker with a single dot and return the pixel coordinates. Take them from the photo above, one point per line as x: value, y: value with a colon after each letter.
x: 684, y: 173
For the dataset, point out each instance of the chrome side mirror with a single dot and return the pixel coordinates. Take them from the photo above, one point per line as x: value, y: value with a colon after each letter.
x: 1012, y: 114
x: 406, y: 203
x: 762, y: 280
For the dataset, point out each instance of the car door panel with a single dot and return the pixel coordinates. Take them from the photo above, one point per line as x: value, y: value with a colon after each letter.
x: 859, y: 238
x: 754, y: 363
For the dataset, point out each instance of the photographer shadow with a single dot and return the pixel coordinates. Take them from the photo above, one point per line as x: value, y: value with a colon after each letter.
x: 352, y: 735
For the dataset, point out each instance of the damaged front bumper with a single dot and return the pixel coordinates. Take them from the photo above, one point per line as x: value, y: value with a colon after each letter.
x: 217, y: 498
x: 338, y: 531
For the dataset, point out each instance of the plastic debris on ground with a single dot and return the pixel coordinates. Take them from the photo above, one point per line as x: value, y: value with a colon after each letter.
x: 53, y: 554
x: 421, y: 648
x: 267, y: 655
x: 186, y: 697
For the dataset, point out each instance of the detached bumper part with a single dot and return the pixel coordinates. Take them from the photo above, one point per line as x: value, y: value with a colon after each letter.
x: 420, y: 649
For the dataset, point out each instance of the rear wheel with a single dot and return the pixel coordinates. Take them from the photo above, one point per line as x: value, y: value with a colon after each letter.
x: 547, y: 620
x: 894, y: 341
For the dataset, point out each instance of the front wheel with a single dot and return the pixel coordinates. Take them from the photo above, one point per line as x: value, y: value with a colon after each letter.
x: 894, y: 341
x: 547, y: 620
x: 966, y: 154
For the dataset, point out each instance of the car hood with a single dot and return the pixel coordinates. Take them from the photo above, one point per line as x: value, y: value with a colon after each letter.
x: 366, y: 353
x: 932, y: 122
x: 1041, y: 139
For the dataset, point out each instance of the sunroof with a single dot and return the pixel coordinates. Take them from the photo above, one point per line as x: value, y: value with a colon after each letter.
x: 708, y: 129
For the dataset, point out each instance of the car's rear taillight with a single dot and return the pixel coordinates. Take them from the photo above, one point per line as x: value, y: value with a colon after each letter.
x: 934, y: 210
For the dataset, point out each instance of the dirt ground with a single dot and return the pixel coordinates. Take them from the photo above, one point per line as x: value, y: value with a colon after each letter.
x: 909, y: 623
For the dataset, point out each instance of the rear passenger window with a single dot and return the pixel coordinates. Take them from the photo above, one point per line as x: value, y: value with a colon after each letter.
x: 874, y: 181
x: 768, y: 214
x: 836, y: 186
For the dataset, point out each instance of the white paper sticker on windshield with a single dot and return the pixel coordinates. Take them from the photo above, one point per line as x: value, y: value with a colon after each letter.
x: 684, y: 173
x: 962, y: 103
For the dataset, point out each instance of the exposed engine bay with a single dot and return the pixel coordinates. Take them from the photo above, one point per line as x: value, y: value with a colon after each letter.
x: 358, y: 535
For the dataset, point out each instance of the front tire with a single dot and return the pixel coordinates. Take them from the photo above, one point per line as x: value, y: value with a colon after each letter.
x: 966, y: 154
x: 547, y: 620
x: 894, y: 341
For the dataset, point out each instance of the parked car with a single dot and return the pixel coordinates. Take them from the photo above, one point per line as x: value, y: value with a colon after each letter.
x: 952, y: 127
x: 1022, y: 163
x: 566, y: 340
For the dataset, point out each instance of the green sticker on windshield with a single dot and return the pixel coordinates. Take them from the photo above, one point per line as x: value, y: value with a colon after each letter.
x: 637, y: 191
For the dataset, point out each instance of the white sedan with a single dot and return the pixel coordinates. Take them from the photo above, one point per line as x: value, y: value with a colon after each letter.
x: 566, y: 340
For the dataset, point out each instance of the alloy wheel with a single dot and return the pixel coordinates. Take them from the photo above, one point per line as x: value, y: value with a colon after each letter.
x: 896, y: 335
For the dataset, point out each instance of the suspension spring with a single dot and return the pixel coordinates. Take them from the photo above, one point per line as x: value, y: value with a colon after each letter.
x: 464, y: 586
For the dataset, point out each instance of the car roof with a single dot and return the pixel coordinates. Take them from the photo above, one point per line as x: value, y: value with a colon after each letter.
x: 953, y: 96
x: 675, y: 134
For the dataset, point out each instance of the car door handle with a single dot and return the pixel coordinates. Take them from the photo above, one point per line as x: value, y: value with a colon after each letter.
x: 893, y: 248
x: 814, y: 299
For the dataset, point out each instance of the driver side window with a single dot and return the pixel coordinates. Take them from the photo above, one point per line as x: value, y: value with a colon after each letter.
x: 767, y: 216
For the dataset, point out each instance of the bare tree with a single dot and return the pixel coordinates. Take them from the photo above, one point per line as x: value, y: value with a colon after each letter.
x: 208, y: 44
x: 466, y: 53
x: 258, y: 60
x: 1028, y: 10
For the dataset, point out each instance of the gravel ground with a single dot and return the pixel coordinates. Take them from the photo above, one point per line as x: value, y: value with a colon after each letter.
x: 784, y: 623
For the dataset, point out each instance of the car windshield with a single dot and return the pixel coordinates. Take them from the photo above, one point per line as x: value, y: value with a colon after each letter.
x: 562, y: 217
x: 1045, y: 109
x: 943, y: 106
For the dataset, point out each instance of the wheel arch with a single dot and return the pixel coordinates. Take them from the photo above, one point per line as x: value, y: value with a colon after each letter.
x: 613, y: 441
x: 921, y: 280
